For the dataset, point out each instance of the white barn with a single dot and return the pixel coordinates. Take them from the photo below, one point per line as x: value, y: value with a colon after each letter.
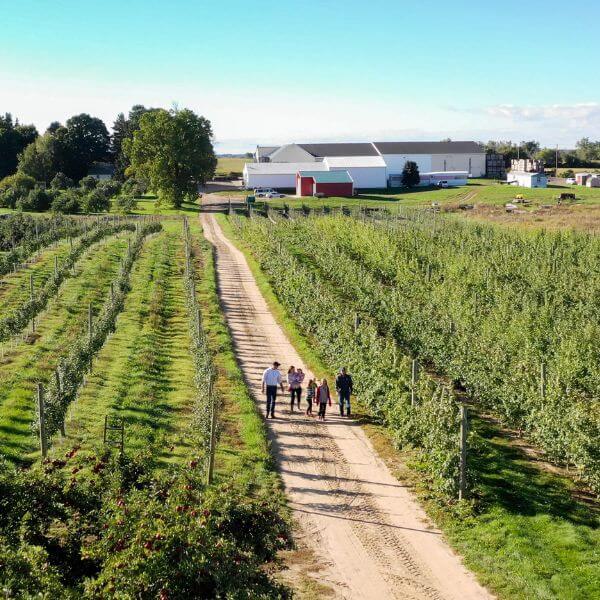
x: 366, y: 171
x: 280, y: 176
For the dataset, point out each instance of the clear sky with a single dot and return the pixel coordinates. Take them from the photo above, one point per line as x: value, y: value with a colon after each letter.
x: 312, y: 70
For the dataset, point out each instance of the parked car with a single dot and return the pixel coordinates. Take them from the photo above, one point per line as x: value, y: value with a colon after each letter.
x: 263, y: 193
x: 274, y: 194
x: 571, y: 181
x: 442, y: 184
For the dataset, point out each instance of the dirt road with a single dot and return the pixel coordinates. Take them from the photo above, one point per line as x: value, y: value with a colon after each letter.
x: 367, y: 531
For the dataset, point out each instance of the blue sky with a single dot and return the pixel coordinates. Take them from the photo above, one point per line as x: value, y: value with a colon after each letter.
x: 267, y: 71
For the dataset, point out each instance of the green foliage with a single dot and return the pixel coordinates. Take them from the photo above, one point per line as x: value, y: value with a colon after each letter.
x: 588, y: 151
x: 43, y: 158
x: 172, y: 150
x: 410, y: 174
x: 21, y: 236
x: 125, y: 204
x: 37, y: 200
x: 382, y: 374
x: 61, y: 182
x: 569, y: 173
x: 109, y: 188
x: 486, y: 307
x: 206, y: 399
x: 67, y: 202
x: 15, y: 321
x: 134, y: 187
x: 13, y: 139
x: 95, y: 201
x: 88, y: 183
x: 74, y: 366
x: 106, y: 526
x: 85, y: 141
x: 14, y: 188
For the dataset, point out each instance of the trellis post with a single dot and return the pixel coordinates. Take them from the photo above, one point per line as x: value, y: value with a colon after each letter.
x: 213, y: 427
x: 42, y: 420
x: 56, y: 266
x: 464, y: 424
x: 90, y: 323
x: 63, y: 433
x: 31, y: 286
x: 414, y: 378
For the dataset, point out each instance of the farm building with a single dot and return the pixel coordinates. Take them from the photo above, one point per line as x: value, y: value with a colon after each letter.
x: 280, y: 176
x: 581, y: 178
x: 593, y: 181
x: 452, y: 178
x: 429, y: 156
x: 528, y: 180
x: 328, y: 183
x: 366, y: 171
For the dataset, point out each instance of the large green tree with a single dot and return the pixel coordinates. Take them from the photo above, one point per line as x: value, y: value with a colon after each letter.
x: 43, y: 158
x: 410, y: 174
x: 124, y: 128
x: 173, y: 152
x: 85, y: 141
x: 14, y: 138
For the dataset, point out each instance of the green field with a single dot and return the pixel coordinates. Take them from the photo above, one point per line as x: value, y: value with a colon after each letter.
x: 225, y: 166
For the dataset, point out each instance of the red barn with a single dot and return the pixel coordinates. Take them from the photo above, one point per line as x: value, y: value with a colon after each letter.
x: 328, y: 183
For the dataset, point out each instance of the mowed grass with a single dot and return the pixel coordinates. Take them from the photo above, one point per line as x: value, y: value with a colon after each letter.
x: 64, y: 320
x: 226, y: 165
x: 144, y: 373
x: 242, y: 451
x: 150, y: 205
x: 530, y: 534
x: 15, y: 287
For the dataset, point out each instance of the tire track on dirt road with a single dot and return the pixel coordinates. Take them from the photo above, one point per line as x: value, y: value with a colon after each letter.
x: 370, y: 536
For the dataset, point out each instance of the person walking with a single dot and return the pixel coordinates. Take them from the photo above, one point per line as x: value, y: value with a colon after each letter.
x: 323, y: 397
x: 311, y: 389
x: 296, y: 386
x: 344, y: 386
x: 271, y: 380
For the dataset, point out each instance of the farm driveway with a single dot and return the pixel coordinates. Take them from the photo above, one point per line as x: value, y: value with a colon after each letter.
x: 367, y: 531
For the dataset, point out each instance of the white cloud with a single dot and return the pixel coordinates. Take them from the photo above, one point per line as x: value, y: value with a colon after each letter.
x: 582, y: 113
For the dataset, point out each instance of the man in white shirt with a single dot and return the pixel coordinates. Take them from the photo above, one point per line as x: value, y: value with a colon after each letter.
x: 270, y: 380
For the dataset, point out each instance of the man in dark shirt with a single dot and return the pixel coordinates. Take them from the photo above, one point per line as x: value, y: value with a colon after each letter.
x: 344, y: 385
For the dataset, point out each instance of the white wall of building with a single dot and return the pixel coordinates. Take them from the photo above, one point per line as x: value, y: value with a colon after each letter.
x: 395, y: 162
x: 276, y: 175
x: 291, y: 153
x: 474, y: 164
x: 366, y: 171
x: 528, y: 180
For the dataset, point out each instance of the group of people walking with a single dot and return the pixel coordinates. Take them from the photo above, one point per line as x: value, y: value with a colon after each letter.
x: 318, y: 393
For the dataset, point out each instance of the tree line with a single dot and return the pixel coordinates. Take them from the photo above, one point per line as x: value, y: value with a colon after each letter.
x: 585, y: 154
x: 168, y: 151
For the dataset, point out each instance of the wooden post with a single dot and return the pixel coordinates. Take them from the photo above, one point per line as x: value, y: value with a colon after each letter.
x: 213, y: 428
x: 42, y: 420
x: 71, y: 242
x: 90, y: 323
x: 63, y: 433
x: 112, y: 291
x: 414, y: 377
x: 198, y: 320
x: 464, y: 424
x: 56, y: 266
x: 356, y: 321
x: 543, y: 380
x: 31, y: 286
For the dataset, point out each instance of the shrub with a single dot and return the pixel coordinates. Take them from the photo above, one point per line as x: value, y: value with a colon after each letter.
x: 38, y: 200
x: 110, y: 188
x: 67, y: 202
x: 125, y: 204
x: 134, y: 187
x: 14, y: 187
x: 88, y: 183
x: 61, y: 182
x: 95, y: 201
x: 567, y: 174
